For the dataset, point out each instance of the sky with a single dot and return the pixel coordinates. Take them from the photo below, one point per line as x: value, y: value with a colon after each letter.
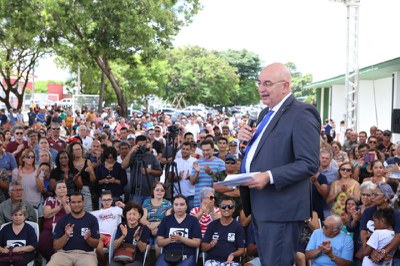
x: 309, y: 33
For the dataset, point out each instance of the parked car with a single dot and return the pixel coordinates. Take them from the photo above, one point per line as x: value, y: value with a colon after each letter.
x: 66, y: 101
x: 197, y: 110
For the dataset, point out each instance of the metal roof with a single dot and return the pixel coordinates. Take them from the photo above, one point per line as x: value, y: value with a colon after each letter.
x: 373, y: 72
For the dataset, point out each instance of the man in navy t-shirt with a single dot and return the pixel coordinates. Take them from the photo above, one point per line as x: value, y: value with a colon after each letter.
x: 224, y: 240
x: 76, y: 236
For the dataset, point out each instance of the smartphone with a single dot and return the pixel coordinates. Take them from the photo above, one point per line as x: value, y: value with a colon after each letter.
x: 369, y: 157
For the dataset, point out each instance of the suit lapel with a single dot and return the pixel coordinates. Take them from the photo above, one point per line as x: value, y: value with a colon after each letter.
x: 273, y: 122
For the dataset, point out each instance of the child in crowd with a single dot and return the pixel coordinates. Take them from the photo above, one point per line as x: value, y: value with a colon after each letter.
x: 108, y: 217
x: 382, y: 235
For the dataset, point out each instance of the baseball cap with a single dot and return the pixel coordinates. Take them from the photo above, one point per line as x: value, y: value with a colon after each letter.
x: 230, y: 157
x: 233, y: 143
x: 387, y: 132
x: 131, y: 136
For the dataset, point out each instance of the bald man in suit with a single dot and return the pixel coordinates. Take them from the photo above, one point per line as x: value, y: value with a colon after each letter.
x: 285, y: 150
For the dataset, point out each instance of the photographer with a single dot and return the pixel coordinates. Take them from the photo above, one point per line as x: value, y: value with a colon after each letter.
x: 145, y: 169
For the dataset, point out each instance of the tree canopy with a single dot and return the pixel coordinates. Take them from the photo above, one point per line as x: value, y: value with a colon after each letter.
x: 103, y: 31
x: 24, y: 37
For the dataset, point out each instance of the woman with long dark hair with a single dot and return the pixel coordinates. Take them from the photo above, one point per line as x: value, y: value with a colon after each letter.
x: 65, y: 171
x: 110, y: 175
x: 179, y: 233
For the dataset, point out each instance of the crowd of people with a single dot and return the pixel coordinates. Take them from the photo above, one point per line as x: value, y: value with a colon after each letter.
x: 89, y: 178
x: 98, y: 178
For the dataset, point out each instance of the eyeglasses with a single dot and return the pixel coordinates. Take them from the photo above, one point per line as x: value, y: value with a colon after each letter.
x: 224, y: 206
x: 157, y: 131
x: 55, y: 128
x: 367, y: 195
x: 348, y: 170
x: 106, y: 200
x: 230, y: 162
x: 17, y: 190
x: 376, y: 194
x: 19, y: 133
x: 29, y: 156
x: 159, y: 190
x: 268, y: 83
x: 212, y: 197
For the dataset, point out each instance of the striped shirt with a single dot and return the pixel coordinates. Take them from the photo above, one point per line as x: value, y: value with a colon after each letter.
x: 205, y: 180
x: 205, y: 219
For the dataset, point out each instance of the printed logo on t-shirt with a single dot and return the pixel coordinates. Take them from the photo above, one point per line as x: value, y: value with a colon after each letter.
x: 231, y: 237
x: 371, y: 226
x: 16, y: 243
x: 179, y: 231
x: 83, y: 231
x: 215, y: 236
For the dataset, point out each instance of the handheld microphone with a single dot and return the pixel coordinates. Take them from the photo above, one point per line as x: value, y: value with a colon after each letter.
x: 251, y: 123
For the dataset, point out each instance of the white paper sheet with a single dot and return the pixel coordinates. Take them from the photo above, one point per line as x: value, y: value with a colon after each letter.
x: 237, y: 179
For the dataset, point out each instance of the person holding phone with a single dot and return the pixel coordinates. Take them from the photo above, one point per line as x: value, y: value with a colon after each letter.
x: 110, y: 175
x: 364, y: 167
x: 378, y: 173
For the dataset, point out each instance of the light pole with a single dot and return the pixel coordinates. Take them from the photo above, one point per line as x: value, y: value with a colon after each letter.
x: 352, y: 68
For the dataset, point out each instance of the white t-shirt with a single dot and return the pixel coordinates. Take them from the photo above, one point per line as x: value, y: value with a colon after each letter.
x: 378, y: 240
x: 186, y: 166
x: 108, y: 219
x: 87, y: 143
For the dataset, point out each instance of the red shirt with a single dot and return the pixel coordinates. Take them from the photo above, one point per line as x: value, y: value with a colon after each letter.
x: 13, y: 146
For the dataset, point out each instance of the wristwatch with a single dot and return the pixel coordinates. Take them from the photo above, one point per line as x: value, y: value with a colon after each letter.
x: 334, y: 258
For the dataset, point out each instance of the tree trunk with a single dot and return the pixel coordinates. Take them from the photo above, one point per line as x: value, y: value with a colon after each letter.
x: 101, y: 93
x: 103, y: 64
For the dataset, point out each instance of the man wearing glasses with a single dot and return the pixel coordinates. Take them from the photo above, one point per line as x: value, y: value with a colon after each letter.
x: 283, y: 154
x: 386, y: 146
x: 232, y: 167
x: 224, y: 239
x: 55, y: 141
x: 19, y: 144
x: 330, y: 245
x: 16, y: 192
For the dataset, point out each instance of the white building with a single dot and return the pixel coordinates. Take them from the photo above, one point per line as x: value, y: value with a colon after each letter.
x: 378, y: 97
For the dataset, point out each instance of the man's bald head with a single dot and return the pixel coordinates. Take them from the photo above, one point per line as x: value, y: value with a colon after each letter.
x: 274, y: 84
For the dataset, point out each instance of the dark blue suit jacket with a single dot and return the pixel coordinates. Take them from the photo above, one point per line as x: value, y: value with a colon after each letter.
x: 289, y: 148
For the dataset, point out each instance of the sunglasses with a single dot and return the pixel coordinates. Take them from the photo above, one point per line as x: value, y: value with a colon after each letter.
x: 386, y: 135
x: 29, y: 156
x: 55, y: 128
x: 230, y: 162
x: 346, y: 169
x: 225, y: 206
x: 19, y: 133
x: 212, y: 198
x: 372, y: 142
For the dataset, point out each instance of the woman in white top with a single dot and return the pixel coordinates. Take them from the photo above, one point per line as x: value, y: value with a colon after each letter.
x: 29, y: 176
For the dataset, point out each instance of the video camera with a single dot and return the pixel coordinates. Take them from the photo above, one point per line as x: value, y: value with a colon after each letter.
x: 173, y: 131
